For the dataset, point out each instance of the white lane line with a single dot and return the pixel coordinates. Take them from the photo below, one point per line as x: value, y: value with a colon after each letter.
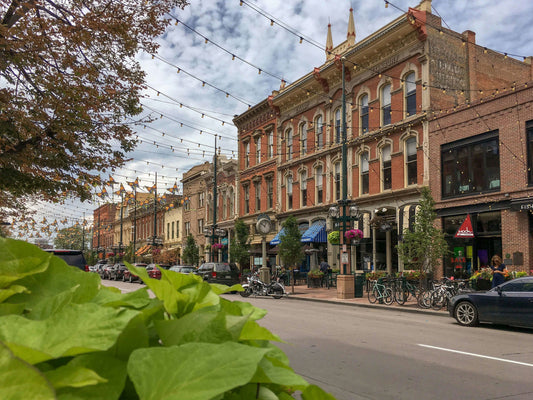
x: 476, y: 355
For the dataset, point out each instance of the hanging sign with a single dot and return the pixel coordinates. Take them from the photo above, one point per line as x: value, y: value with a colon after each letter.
x: 465, y: 230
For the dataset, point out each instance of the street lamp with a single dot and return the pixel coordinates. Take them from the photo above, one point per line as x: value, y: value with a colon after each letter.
x: 343, y: 215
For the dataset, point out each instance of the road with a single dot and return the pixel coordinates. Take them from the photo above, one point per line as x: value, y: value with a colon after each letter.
x: 363, y: 353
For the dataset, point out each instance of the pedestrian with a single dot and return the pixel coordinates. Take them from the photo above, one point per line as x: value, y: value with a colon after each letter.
x: 498, y: 270
x: 324, y: 266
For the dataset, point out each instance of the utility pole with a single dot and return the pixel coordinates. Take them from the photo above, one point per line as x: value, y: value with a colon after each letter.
x: 155, y: 212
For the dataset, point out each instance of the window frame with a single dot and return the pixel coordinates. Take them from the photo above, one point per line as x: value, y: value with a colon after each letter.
x: 258, y: 150
x: 364, y: 113
x: 386, y: 101
x: 386, y: 167
x: 303, y: 138
x: 410, y: 94
x: 319, y: 184
x: 246, y: 198
x: 411, y: 161
x: 319, y: 132
x: 288, y: 144
x: 364, y: 161
x: 337, y: 132
x: 303, y: 188
x: 289, y: 191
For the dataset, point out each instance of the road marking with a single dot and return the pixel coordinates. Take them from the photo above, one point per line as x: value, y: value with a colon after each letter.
x: 476, y: 355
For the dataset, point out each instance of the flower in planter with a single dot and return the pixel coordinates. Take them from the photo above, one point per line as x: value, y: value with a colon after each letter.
x: 217, y: 246
x: 110, y: 254
x: 356, y: 234
x: 156, y: 251
x: 315, y: 273
x: 483, y: 273
x: 334, y: 237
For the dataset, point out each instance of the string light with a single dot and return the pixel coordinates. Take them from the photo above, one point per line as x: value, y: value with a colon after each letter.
x: 301, y: 39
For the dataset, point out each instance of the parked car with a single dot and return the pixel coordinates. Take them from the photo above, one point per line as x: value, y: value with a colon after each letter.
x: 117, y: 272
x: 222, y: 273
x: 97, y: 267
x: 183, y: 269
x: 107, y: 271
x: 73, y: 258
x: 128, y: 276
x: 510, y: 303
x: 154, y: 272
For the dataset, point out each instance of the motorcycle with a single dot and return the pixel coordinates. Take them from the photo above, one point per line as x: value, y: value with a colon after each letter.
x: 257, y: 287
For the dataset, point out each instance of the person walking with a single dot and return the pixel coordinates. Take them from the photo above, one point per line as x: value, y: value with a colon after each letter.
x: 498, y: 271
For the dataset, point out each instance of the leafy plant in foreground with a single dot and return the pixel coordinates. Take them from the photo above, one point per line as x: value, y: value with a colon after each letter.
x: 65, y: 336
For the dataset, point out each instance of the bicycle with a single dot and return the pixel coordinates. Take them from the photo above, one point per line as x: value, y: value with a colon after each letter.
x: 403, y: 289
x: 380, y: 292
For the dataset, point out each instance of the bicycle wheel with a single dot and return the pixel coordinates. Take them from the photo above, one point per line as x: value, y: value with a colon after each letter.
x: 373, y: 295
x: 388, y: 298
x: 400, y: 296
x: 437, y: 300
x: 424, y: 299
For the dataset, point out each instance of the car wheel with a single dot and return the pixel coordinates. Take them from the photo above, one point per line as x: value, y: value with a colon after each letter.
x: 466, y: 314
x: 131, y: 279
x: 123, y: 278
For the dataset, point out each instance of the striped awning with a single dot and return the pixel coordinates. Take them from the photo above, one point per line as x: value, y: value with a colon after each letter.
x: 277, y: 238
x: 316, y: 233
x: 143, y: 250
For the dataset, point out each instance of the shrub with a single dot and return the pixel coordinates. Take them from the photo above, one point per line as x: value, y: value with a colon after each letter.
x: 64, y: 335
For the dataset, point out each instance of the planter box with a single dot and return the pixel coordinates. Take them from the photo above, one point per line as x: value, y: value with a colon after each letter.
x: 483, y: 284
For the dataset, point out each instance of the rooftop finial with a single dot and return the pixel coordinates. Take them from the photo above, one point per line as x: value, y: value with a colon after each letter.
x: 351, y: 29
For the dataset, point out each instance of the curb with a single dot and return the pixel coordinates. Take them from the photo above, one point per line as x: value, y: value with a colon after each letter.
x: 381, y: 307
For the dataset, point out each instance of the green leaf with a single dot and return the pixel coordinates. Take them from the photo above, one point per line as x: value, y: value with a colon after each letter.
x: 242, y: 308
x: 73, y: 376
x: 20, y: 380
x: 253, y: 331
x: 115, y: 298
x: 74, y: 330
x: 272, y: 370
x: 194, y: 371
x: 10, y: 291
x: 110, y: 369
x: 221, y: 289
x: 313, y: 392
x: 205, y: 325
x: 19, y: 259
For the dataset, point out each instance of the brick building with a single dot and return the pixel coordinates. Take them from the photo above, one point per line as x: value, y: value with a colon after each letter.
x: 484, y: 151
x: 392, y: 79
x: 102, y: 239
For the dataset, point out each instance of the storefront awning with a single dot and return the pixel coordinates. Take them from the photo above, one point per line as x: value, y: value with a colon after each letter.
x: 277, y: 239
x: 143, y: 250
x: 316, y: 233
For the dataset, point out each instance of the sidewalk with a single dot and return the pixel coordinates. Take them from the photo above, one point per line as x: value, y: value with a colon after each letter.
x: 302, y: 292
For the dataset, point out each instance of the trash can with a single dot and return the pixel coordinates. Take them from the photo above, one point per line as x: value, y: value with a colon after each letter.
x: 359, y: 283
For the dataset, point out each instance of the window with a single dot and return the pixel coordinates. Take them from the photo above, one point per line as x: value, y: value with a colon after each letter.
x: 410, y: 94
x: 338, y: 125
x: 270, y: 193
x: 303, y: 139
x: 201, y: 199
x: 172, y: 230
x: 187, y: 229
x: 364, y: 113
x: 246, y: 199
x: 410, y: 161
x: 168, y: 231
x: 319, y: 132
x: 303, y: 188
x: 246, y: 154
x: 319, y: 187
x: 187, y: 204
x: 529, y: 138
x: 258, y: 150
x: 200, y: 225
x: 231, y: 203
x: 385, y: 105
x: 257, y: 189
x: 364, y: 173
x: 386, y: 167
x: 471, y: 165
x: 288, y: 144
x: 289, y: 192
x: 270, y: 139
x: 225, y: 207
x: 337, y: 181
x: 177, y: 229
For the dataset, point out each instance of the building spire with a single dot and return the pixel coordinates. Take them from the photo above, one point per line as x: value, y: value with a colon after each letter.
x: 350, y: 37
x: 329, y: 43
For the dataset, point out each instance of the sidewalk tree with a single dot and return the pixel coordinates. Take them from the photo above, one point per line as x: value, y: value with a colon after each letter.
x: 240, y: 246
x: 191, y: 253
x: 290, y: 245
x: 72, y: 238
x: 423, y: 247
x: 70, y: 79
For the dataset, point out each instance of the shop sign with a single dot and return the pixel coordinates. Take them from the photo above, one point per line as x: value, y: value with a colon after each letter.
x: 524, y: 206
x: 465, y: 230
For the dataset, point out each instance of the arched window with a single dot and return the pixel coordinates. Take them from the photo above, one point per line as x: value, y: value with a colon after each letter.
x: 410, y: 94
x: 338, y: 133
x: 385, y: 105
x: 303, y: 138
x: 289, y: 192
x: 364, y: 113
x: 364, y: 172
x: 410, y: 161
x: 318, y: 184
x: 319, y: 132
x: 303, y: 188
x: 386, y: 170
x: 288, y: 144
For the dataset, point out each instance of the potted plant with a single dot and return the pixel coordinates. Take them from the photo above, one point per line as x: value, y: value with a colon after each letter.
x: 353, y: 235
x: 482, y: 279
x: 217, y: 246
x: 314, y: 278
x: 334, y: 237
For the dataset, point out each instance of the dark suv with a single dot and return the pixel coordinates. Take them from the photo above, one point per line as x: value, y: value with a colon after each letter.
x: 223, y: 273
x: 73, y: 258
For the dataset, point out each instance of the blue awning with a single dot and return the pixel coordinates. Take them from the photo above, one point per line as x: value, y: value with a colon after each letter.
x: 316, y: 233
x: 276, y: 239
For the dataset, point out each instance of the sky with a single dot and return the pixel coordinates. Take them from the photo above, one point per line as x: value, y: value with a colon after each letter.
x: 193, y: 106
